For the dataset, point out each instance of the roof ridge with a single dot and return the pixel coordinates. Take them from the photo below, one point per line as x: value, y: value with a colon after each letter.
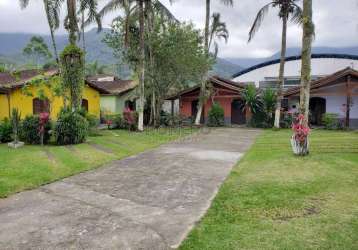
x: 293, y: 58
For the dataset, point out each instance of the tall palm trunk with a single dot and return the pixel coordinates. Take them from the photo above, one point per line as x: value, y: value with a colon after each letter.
x: 308, y: 30
x: 281, y: 72
x: 141, y: 66
x: 201, y: 102
x: 54, y: 45
x: 72, y: 25
x: 51, y: 25
x: 83, y: 32
x: 207, y: 24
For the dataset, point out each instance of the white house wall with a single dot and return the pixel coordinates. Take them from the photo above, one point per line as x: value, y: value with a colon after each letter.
x: 320, y: 67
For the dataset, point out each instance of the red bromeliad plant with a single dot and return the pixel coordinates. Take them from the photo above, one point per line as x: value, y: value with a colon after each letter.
x: 299, y: 140
x: 109, y: 123
x: 43, y: 120
x: 130, y: 118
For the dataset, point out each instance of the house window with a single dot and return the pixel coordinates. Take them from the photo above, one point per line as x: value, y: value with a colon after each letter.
x: 84, y: 104
x: 130, y: 105
x: 40, y: 106
x: 284, y: 104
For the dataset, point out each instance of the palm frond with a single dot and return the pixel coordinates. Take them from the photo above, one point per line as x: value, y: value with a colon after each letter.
x: 218, y: 30
x: 258, y: 20
x: 297, y: 15
x: 112, y: 6
x: 164, y: 10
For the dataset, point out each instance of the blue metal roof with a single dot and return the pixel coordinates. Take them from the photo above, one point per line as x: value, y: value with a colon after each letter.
x: 293, y: 58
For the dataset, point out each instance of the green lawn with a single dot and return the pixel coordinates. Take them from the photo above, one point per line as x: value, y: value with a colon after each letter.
x: 274, y: 200
x: 32, y: 166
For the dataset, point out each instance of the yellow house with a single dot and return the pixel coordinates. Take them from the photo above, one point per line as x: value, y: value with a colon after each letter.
x: 32, y: 92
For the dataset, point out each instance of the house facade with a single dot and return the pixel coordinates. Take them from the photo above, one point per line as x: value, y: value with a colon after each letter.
x: 116, y: 94
x: 22, y: 91
x: 336, y: 93
x: 222, y: 91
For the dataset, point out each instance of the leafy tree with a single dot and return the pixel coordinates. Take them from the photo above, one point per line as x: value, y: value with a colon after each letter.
x: 287, y: 9
x: 37, y: 50
x: 53, y: 19
x: 174, y: 57
x: 178, y: 60
x: 139, y: 14
x: 206, y: 46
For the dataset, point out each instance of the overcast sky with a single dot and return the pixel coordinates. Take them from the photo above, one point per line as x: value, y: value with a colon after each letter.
x: 336, y: 23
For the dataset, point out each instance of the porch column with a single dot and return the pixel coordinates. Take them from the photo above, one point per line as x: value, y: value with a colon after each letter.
x: 172, y: 106
x: 348, y: 102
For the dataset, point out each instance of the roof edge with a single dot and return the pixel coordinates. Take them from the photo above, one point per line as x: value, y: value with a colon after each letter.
x: 293, y: 58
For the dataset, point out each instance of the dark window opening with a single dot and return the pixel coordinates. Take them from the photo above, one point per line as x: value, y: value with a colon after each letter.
x: 40, y: 106
x: 84, y: 104
x: 130, y: 105
x: 284, y: 104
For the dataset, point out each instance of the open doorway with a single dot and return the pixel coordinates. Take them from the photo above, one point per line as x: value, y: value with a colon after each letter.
x: 317, y: 109
x: 237, y: 112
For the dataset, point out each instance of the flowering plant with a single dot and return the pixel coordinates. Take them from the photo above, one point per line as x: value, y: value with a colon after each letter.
x: 130, y: 118
x: 301, y: 131
x: 109, y: 123
x: 43, y: 120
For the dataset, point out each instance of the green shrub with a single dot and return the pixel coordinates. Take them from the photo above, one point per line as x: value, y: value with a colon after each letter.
x: 286, y: 120
x: 216, y: 116
x: 92, y: 120
x: 29, y: 130
x: 331, y: 121
x: 71, y: 128
x: 259, y: 120
x: 5, y: 131
x: 119, y: 122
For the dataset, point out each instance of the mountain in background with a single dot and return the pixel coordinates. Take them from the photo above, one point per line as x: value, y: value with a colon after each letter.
x: 11, y: 45
x: 248, y: 62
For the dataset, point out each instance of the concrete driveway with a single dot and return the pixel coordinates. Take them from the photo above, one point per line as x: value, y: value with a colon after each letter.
x: 149, y: 201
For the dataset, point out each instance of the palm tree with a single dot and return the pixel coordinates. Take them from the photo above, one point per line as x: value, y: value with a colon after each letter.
x: 53, y: 19
x: 71, y: 21
x: 206, y: 47
x: 308, y: 33
x: 286, y: 8
x: 217, y: 30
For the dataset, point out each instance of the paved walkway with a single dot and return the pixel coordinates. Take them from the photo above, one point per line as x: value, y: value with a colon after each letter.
x: 149, y: 201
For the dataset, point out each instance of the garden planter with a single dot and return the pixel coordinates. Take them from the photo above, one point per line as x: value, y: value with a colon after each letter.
x: 300, y: 148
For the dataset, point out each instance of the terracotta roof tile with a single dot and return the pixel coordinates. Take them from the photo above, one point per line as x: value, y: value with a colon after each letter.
x: 324, y: 81
x: 9, y: 81
x: 110, y: 84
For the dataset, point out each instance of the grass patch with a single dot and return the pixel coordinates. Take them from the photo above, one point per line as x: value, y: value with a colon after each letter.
x: 31, y: 166
x: 275, y: 200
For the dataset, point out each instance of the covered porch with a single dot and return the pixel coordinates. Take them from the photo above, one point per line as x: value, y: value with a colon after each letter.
x: 222, y: 91
x: 336, y: 93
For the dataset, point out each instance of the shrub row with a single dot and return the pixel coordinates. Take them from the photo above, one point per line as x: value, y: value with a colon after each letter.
x: 70, y: 128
